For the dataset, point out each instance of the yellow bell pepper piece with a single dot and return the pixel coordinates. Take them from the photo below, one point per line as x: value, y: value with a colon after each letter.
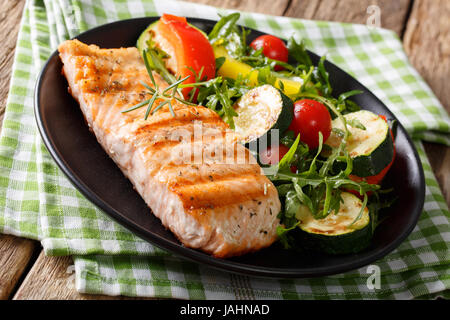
x: 231, y: 68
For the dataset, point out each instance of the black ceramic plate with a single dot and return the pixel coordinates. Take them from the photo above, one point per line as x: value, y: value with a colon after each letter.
x: 89, y: 168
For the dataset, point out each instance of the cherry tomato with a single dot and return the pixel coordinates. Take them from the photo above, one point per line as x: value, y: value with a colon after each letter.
x: 272, y: 47
x: 310, y: 118
x: 273, y: 154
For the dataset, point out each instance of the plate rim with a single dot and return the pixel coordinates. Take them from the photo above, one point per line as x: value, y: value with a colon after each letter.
x: 198, y: 256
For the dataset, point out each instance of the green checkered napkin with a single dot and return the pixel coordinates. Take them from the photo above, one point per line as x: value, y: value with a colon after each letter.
x: 38, y: 202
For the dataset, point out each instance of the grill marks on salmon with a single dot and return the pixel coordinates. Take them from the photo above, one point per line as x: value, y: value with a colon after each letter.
x: 225, y: 208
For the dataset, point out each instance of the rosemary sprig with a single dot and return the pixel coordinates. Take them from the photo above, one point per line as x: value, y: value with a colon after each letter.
x: 166, y: 96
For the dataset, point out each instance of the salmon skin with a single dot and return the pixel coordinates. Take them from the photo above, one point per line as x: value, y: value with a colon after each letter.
x: 224, y: 208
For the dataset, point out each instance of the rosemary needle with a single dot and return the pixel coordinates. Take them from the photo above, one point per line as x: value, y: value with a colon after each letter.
x: 149, y: 69
x: 150, y: 105
x: 185, y: 102
x: 137, y: 106
x: 171, y: 109
x: 160, y: 106
x: 167, y: 95
x: 174, y: 85
x: 152, y: 90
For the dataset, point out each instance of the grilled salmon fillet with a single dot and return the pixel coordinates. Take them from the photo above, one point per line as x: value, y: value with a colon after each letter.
x: 225, y: 208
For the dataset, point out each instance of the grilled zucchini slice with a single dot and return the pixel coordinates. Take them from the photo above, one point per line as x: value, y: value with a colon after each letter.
x: 336, y: 234
x: 260, y: 110
x: 371, y: 149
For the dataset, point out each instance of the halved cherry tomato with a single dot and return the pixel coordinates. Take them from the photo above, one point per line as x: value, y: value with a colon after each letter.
x: 191, y: 47
x: 273, y: 154
x: 310, y: 118
x: 272, y: 47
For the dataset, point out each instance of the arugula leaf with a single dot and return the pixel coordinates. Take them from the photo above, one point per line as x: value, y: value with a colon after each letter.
x: 285, y: 162
x: 312, y: 167
x: 223, y: 27
x: 363, y: 207
x: 227, y: 33
x: 339, y: 132
x: 307, y: 79
x: 283, y: 189
x: 351, y: 106
x: 265, y: 76
x: 283, y: 232
x: 298, y: 52
x: 348, y: 94
x: 348, y: 105
x: 227, y: 105
x: 355, y: 123
x: 292, y: 204
x: 288, y: 138
x: 219, y: 62
x: 323, y: 77
x: 234, y: 45
x: 304, y: 199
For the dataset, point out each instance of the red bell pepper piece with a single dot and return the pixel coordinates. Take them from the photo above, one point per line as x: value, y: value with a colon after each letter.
x: 192, y: 49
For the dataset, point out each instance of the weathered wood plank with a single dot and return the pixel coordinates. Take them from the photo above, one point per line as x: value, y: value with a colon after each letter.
x: 273, y: 7
x: 15, y: 254
x: 10, y: 14
x: 53, y: 278
x: 427, y: 43
x: 392, y: 13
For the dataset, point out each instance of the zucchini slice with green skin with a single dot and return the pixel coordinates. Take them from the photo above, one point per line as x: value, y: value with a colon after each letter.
x: 260, y: 110
x: 371, y: 149
x: 151, y: 33
x: 141, y: 43
x: 336, y: 234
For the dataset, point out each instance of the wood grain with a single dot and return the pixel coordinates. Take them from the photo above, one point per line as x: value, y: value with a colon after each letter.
x: 53, y: 278
x: 15, y: 254
x: 273, y: 7
x: 10, y: 14
x: 427, y: 43
x: 392, y: 13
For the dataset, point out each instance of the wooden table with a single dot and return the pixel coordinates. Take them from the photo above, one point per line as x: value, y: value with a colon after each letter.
x: 424, y: 26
